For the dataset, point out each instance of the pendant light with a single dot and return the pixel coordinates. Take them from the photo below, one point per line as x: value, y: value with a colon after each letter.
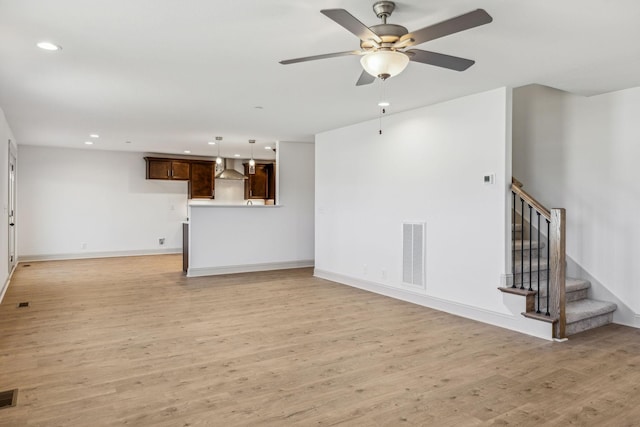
x: 218, y: 159
x: 252, y: 163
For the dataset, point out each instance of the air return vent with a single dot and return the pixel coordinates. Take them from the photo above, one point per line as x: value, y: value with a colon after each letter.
x: 8, y: 398
x: 413, y: 253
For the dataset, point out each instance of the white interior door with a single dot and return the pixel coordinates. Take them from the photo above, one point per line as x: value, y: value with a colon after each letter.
x: 12, y: 208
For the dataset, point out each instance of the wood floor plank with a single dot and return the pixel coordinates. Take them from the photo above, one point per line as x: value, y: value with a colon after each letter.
x: 131, y: 341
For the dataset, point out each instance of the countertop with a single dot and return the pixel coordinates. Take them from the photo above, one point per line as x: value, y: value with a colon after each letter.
x: 208, y: 204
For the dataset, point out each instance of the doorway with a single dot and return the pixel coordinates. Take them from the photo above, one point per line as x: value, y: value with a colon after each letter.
x: 12, y: 208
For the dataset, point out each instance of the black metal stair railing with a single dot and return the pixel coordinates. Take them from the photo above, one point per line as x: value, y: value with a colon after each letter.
x: 545, y: 277
x: 528, y: 265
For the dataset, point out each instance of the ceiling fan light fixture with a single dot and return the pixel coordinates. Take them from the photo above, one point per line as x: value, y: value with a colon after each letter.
x: 384, y: 63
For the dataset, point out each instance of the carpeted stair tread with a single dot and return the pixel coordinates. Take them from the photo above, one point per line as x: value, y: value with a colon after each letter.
x: 572, y: 285
x: 518, y: 244
x: 534, y: 265
x: 587, y: 308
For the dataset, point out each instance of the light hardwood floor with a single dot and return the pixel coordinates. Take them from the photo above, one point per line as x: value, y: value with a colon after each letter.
x: 130, y: 341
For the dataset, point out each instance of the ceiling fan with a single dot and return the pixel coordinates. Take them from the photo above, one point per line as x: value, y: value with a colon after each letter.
x: 383, y: 47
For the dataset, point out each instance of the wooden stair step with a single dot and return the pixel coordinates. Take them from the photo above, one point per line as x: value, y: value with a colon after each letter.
x: 540, y: 316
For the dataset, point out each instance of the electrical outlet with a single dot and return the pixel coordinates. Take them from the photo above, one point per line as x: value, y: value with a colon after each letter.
x: 384, y: 274
x: 161, y: 241
x: 364, y: 269
x: 83, y: 245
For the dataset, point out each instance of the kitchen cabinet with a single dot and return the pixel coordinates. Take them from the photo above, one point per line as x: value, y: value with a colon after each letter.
x: 171, y: 169
x: 199, y: 173
x: 202, y: 181
x: 262, y: 184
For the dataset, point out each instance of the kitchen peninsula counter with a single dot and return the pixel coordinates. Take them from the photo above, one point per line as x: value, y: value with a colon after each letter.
x: 228, y: 236
x: 238, y: 238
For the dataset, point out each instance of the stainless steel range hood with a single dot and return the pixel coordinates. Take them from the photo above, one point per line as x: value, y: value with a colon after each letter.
x: 230, y: 173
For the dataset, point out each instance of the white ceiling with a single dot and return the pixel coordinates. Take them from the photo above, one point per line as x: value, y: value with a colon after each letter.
x: 171, y: 75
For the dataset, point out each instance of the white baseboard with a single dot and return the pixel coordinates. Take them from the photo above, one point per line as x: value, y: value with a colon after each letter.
x: 514, y: 322
x: 112, y: 254
x: 4, y: 289
x: 6, y: 282
x: 248, y: 268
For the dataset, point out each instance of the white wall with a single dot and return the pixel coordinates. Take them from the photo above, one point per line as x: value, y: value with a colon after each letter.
x: 582, y: 154
x: 68, y: 197
x: 5, y: 136
x: 428, y: 165
x: 226, y: 239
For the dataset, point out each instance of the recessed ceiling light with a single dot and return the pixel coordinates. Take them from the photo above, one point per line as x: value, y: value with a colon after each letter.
x: 89, y: 142
x: 383, y: 104
x: 211, y: 143
x: 48, y: 46
x: 127, y: 142
x: 267, y: 148
x: 259, y: 107
x: 236, y: 155
x: 94, y: 135
x: 187, y: 151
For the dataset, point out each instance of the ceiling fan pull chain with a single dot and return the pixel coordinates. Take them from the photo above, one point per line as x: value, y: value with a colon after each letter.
x: 383, y: 103
x: 382, y: 112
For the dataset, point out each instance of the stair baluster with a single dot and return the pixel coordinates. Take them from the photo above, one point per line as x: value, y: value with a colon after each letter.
x: 513, y: 239
x: 530, y: 248
x: 522, y: 243
x: 548, y: 264
x: 538, y: 293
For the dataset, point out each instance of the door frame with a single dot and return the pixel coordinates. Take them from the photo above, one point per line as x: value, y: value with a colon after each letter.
x: 12, y: 167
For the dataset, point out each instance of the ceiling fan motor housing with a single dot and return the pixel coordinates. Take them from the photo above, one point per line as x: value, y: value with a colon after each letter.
x: 389, y: 33
x: 383, y: 9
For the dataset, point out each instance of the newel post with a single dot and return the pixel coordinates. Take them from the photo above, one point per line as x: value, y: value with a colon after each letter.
x: 557, y: 272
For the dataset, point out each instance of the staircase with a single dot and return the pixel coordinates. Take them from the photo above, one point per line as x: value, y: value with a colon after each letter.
x: 582, y: 313
x: 538, y: 270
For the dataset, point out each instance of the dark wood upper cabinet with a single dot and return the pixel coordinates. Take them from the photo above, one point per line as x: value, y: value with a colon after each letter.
x: 158, y: 168
x: 202, y: 182
x: 260, y: 185
x: 180, y: 169
x: 201, y: 176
